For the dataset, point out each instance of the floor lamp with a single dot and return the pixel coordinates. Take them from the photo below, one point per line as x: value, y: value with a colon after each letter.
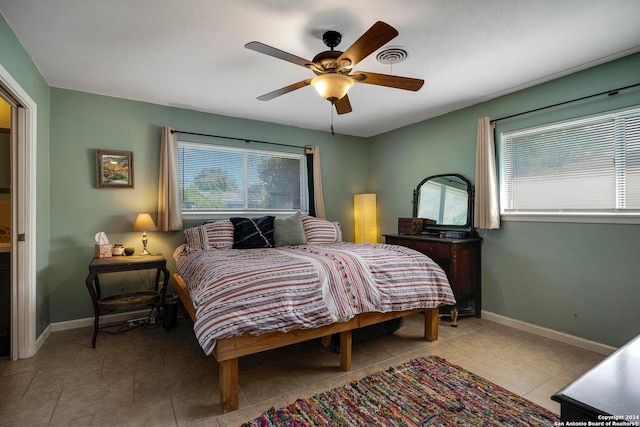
x: 366, y: 221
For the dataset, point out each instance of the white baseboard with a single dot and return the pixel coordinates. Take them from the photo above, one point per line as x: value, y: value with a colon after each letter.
x: 42, y: 338
x: 549, y: 333
x: 487, y: 315
x: 82, y: 323
x: 104, y: 320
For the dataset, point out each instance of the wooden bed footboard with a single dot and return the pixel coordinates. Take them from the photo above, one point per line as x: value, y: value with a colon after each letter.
x: 228, y: 350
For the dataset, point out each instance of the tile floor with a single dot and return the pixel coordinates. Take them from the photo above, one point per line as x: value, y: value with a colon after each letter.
x: 147, y: 377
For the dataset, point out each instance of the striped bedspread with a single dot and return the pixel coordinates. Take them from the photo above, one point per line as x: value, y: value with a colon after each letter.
x: 237, y: 291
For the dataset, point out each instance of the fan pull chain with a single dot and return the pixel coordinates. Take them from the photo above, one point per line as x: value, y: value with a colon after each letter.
x: 331, y: 108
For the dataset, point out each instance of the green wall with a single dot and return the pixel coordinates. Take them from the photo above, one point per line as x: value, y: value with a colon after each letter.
x: 581, y: 279
x: 82, y: 122
x: 17, y: 62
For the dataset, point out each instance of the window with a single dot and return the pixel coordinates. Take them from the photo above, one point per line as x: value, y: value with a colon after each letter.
x: 583, y: 167
x: 217, y: 179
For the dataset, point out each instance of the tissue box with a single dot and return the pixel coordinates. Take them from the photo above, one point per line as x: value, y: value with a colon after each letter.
x: 103, y: 251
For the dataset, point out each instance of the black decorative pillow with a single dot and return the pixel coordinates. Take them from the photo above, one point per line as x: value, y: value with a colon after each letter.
x: 251, y: 233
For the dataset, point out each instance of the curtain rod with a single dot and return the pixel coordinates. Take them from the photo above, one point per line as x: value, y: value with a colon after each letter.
x: 608, y: 92
x: 237, y: 139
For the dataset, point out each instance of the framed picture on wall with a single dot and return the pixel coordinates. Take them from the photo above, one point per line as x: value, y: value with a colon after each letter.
x: 114, y: 169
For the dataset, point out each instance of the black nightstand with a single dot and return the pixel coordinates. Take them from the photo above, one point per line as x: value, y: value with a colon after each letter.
x: 607, y: 393
x: 127, y: 300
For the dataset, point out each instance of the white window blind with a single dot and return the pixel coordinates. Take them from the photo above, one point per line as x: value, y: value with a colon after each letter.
x: 222, y: 179
x: 587, y: 166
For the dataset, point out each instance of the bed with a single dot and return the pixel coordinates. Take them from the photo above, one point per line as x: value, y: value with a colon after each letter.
x: 252, y: 285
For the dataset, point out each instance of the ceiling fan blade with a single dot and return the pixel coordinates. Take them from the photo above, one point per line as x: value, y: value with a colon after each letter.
x: 375, y: 37
x: 277, y: 53
x: 397, y: 82
x: 343, y: 106
x: 284, y: 90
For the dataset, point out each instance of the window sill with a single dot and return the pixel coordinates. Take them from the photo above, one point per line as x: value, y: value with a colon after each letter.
x: 246, y: 214
x: 574, y: 218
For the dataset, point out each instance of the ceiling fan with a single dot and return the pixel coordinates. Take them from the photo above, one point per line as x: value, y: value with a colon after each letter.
x: 333, y: 67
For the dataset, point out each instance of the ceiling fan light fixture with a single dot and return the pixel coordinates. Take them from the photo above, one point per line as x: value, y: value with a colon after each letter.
x: 332, y: 67
x: 332, y: 86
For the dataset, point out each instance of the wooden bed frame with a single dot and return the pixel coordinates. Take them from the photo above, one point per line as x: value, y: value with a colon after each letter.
x: 228, y: 350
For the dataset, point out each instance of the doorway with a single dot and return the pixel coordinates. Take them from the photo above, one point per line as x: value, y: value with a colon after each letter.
x: 5, y: 226
x: 22, y: 202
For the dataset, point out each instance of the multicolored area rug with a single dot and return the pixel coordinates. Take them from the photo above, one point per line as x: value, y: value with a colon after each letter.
x: 424, y: 392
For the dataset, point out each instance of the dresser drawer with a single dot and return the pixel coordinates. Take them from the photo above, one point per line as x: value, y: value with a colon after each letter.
x: 441, y: 251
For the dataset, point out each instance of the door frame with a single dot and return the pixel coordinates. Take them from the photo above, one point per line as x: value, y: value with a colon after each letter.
x: 23, y: 222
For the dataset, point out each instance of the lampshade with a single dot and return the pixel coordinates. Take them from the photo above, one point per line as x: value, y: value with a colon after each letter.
x: 332, y: 86
x: 144, y: 222
x: 366, y: 221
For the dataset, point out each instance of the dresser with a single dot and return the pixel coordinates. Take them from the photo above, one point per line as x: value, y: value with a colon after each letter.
x: 460, y: 260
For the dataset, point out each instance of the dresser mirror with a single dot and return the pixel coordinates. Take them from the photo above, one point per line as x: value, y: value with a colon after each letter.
x: 446, y: 201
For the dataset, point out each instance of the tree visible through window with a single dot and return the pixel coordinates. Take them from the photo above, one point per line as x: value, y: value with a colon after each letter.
x: 223, y: 179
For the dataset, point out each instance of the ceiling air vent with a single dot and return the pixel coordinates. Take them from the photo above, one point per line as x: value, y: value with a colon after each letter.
x: 392, y: 55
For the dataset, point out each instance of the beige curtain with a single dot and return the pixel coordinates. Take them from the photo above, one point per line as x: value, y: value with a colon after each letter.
x: 317, y: 181
x: 169, y: 204
x: 486, y: 213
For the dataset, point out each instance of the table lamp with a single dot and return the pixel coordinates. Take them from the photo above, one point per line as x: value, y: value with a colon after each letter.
x: 144, y: 223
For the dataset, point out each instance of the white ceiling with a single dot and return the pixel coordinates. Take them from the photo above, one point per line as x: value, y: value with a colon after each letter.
x: 190, y: 53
